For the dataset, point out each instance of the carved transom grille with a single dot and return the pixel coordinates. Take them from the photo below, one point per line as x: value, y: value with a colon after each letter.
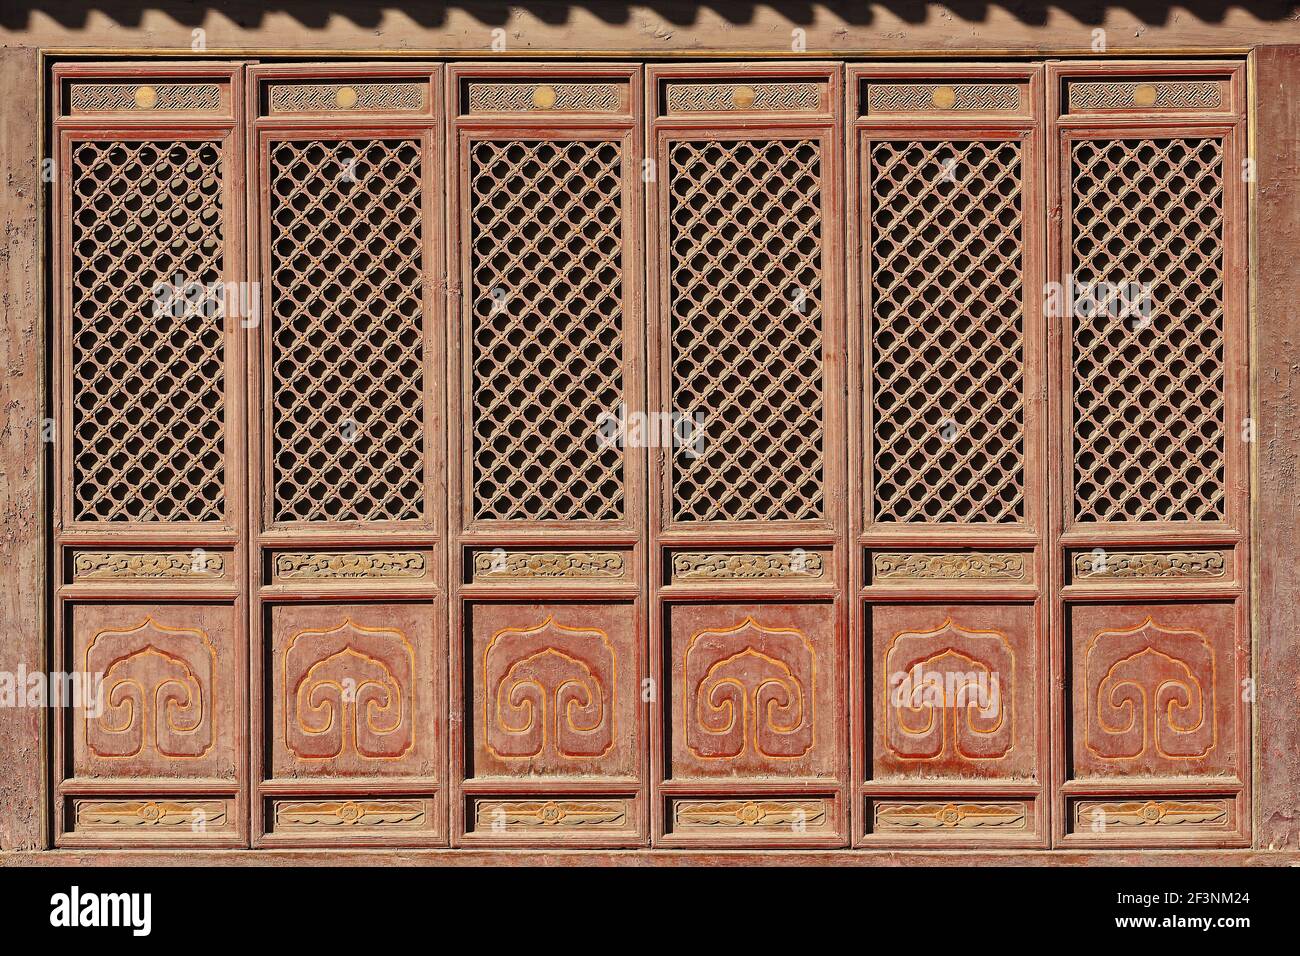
x: 1148, y: 388
x: 347, y: 350
x: 745, y: 234
x: 947, y: 331
x: 547, y: 304
x: 148, y: 371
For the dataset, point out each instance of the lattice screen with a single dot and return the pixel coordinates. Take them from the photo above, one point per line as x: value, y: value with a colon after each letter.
x: 745, y: 229
x: 347, y: 313
x: 148, y: 368
x: 1149, y: 389
x: 547, y: 301
x: 947, y: 331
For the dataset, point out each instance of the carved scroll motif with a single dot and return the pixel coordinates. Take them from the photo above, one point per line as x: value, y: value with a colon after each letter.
x: 949, y: 691
x: 343, y: 814
x: 158, y: 691
x: 760, y: 814
x: 348, y: 688
x: 944, y: 816
x: 549, y: 688
x: 90, y: 565
x: 749, y: 687
x: 1150, y: 690
x: 547, y: 564
x: 746, y: 565
x: 964, y: 566
x: 293, y: 565
x: 492, y: 815
x: 194, y: 815
x: 1099, y: 815
x: 1149, y: 564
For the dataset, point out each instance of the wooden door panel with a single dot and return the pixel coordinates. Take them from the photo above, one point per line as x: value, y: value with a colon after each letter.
x: 1153, y: 437
x: 956, y: 691
x: 556, y: 691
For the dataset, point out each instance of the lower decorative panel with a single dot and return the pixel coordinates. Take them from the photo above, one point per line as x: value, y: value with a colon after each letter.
x: 163, y: 820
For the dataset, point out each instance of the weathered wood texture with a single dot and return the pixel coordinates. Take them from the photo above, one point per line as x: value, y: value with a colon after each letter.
x: 22, y: 493
x: 1277, y: 379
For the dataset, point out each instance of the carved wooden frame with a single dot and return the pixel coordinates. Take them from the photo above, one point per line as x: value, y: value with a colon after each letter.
x: 315, y: 545
x: 966, y: 102
x: 1229, y: 538
x: 551, y: 562
x: 741, y: 115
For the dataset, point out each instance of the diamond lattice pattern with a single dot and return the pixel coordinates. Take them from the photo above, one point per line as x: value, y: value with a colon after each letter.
x: 347, y: 323
x: 947, y: 332
x: 1149, y: 388
x: 148, y: 364
x: 746, y: 308
x: 547, y: 246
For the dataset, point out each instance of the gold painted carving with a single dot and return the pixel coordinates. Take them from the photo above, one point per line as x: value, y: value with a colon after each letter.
x: 964, y: 566
x: 349, y: 564
x: 347, y: 688
x: 749, y: 686
x: 362, y: 97
x: 760, y: 814
x: 946, y: 816
x: 159, y: 684
x: 560, y: 814
x: 547, y: 564
x: 1098, y: 815
x: 1149, y: 564
x: 196, y: 815
x: 551, y: 689
x: 1150, y: 689
x: 746, y: 565
x: 91, y: 565
x: 560, y: 97
x: 133, y: 97
x: 382, y: 814
x: 728, y: 97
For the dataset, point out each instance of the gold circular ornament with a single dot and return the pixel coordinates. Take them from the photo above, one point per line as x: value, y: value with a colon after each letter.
x: 943, y: 97
x: 1144, y: 95
x: 544, y: 97
x: 349, y: 812
x: 743, y: 97
x: 146, y: 97
x: 345, y: 97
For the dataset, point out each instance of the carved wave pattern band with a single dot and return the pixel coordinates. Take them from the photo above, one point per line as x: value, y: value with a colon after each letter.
x: 916, y: 97
x: 346, y: 814
x: 132, y: 97
x: 1149, y: 564
x: 962, y: 566
x: 794, y: 815
x: 490, y: 565
x: 727, y: 97
x: 500, y: 815
x: 1097, y: 816
x: 949, y: 816
x: 296, y: 565
x: 193, y: 815
x: 91, y: 565
x: 746, y: 565
x: 559, y: 97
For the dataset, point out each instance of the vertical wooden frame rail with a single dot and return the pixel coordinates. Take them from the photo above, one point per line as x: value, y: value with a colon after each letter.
x: 948, y: 456
x: 746, y: 315
x: 149, y: 510
x: 1151, y: 626
x: 548, y: 473
x: 349, y: 712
